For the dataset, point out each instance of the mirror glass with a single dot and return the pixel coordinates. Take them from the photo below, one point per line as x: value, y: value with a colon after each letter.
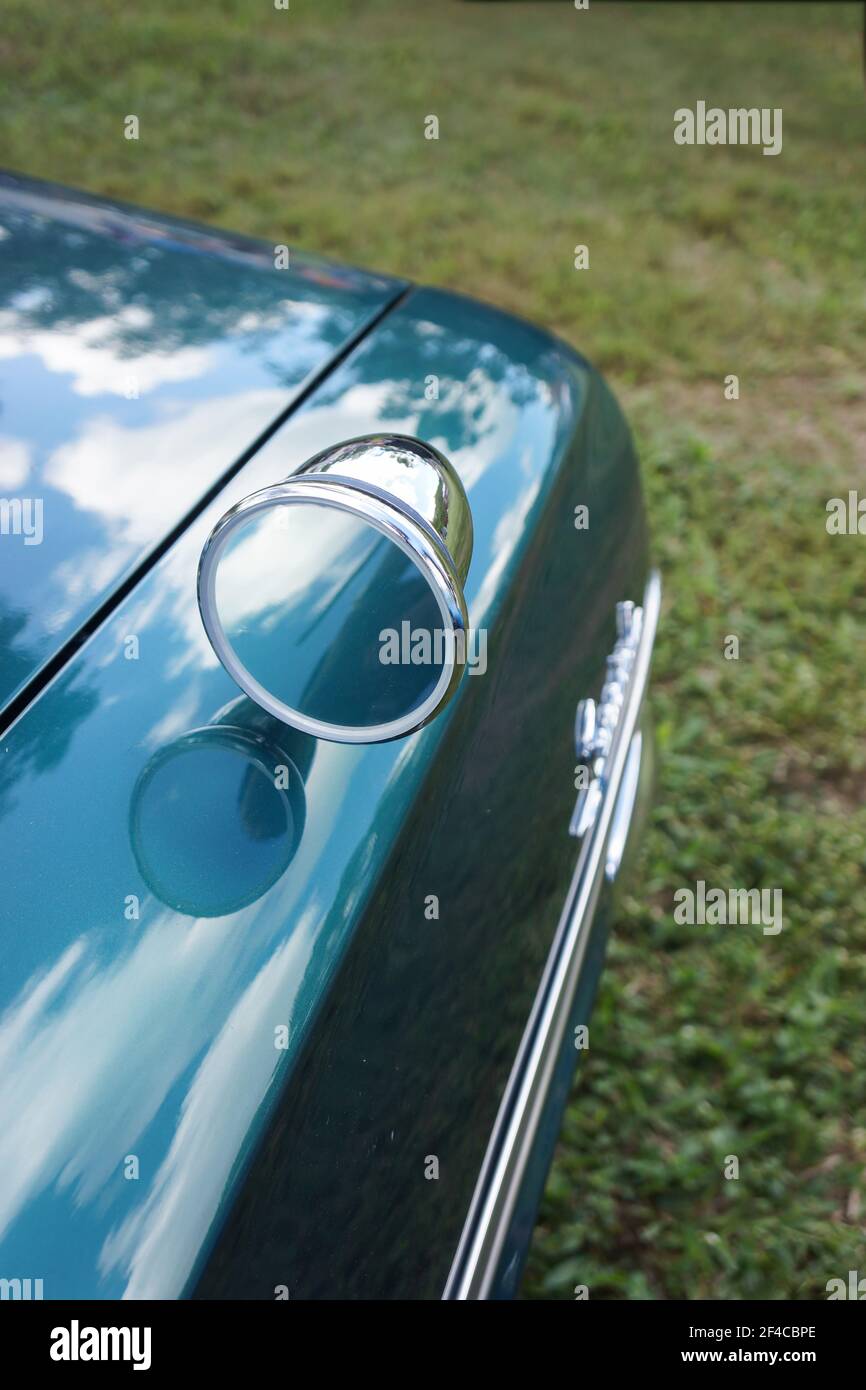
x: 328, y: 615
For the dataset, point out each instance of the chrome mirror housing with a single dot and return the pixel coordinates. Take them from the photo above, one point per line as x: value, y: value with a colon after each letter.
x: 335, y: 599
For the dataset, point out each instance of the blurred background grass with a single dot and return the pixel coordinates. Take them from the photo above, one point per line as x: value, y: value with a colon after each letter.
x: 556, y: 128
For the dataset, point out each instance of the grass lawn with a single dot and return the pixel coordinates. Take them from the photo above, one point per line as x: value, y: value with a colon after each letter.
x: 556, y: 128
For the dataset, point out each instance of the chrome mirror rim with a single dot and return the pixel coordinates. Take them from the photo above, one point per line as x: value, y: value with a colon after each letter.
x: 399, y: 523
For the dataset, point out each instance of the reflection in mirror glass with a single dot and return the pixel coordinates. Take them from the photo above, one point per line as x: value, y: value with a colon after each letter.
x: 322, y: 610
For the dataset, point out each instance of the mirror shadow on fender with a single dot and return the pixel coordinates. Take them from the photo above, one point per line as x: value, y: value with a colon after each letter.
x: 217, y: 815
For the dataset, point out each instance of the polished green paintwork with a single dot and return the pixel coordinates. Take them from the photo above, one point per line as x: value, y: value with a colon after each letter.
x: 140, y: 358
x: 248, y: 992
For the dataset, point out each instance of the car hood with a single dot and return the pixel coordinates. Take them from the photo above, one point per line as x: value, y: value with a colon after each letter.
x: 142, y: 360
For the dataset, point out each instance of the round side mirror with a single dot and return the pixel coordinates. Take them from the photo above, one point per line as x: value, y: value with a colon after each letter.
x: 335, y: 598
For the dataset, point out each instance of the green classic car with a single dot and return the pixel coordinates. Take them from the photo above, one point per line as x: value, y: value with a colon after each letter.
x: 326, y: 617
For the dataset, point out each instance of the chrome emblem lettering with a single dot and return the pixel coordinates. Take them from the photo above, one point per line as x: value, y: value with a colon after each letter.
x: 595, y: 725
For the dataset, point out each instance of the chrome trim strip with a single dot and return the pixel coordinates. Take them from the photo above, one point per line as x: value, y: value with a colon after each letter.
x: 624, y: 810
x: 508, y: 1152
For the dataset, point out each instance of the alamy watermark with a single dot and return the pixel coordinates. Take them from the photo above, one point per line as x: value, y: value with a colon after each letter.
x: 22, y: 516
x: 846, y: 517
x: 421, y: 646
x: 23, y: 1289
x: 855, y: 1288
x: 729, y: 907
x: 738, y: 125
x: 77, y: 1343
